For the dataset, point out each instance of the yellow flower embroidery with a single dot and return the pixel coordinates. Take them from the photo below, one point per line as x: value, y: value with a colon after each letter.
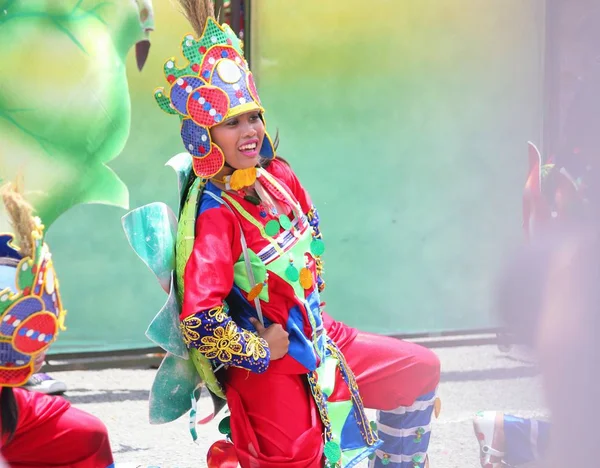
x: 218, y: 314
x: 254, y: 346
x: 223, y: 344
x: 188, y: 327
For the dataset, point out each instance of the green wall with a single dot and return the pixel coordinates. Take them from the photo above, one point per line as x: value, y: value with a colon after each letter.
x: 409, y: 131
x: 110, y: 295
x: 408, y: 122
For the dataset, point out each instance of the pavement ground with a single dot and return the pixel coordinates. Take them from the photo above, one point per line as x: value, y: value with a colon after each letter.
x: 473, y: 378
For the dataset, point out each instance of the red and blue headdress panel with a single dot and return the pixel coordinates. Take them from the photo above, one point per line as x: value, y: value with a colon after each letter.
x: 216, y: 85
x: 31, y: 311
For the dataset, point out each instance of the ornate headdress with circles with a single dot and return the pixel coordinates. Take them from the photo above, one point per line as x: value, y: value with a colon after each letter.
x: 215, y: 85
x: 31, y: 312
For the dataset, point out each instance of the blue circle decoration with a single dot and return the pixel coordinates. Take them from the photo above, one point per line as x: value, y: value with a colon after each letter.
x: 179, y: 96
x: 196, y: 139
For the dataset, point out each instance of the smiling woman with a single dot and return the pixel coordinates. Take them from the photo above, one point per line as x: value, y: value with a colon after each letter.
x: 240, y: 138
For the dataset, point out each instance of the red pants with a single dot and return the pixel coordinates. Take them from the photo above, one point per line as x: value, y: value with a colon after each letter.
x: 51, y: 433
x: 274, y: 420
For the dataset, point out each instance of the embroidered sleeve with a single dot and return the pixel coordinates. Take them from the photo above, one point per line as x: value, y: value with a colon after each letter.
x: 218, y: 338
x: 208, y: 279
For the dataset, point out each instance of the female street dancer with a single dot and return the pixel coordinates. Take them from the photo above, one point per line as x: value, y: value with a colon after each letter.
x: 249, y: 274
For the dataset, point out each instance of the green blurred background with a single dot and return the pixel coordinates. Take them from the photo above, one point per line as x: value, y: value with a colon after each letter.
x: 406, y: 120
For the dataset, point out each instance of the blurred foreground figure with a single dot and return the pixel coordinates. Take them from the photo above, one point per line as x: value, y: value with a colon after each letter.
x: 549, y: 297
x: 568, y: 348
x: 546, y: 296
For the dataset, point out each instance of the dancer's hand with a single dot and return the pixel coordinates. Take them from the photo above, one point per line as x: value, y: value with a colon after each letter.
x: 275, y: 336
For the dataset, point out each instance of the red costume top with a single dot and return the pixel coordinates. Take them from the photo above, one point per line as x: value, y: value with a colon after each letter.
x: 210, y: 273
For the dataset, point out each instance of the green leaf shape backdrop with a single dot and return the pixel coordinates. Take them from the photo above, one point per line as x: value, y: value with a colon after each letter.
x: 64, y: 101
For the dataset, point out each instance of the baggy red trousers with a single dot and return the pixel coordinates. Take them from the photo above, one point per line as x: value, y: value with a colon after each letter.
x: 274, y: 420
x: 52, y: 433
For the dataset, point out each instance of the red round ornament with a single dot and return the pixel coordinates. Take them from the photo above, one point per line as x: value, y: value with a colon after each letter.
x: 210, y: 164
x: 208, y: 105
x: 222, y: 454
x: 15, y: 377
x: 28, y: 341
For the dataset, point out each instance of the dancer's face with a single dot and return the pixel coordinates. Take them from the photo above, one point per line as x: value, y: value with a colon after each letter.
x: 240, y: 138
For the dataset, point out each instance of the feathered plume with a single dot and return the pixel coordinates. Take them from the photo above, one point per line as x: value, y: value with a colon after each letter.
x: 196, y: 12
x: 20, y: 213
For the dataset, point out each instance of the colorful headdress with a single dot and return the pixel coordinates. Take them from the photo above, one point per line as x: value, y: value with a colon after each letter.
x: 215, y: 85
x: 30, y: 307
